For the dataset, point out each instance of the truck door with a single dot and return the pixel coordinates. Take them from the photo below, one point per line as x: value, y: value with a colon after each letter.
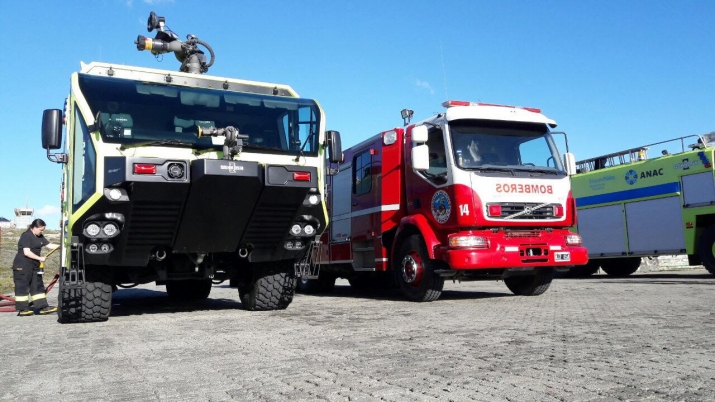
x: 340, y: 208
x: 365, y: 208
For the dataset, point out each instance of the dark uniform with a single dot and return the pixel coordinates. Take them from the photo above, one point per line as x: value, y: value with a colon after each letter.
x: 25, y: 273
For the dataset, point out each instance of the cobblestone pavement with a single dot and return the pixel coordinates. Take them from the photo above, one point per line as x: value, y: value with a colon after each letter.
x: 646, y: 337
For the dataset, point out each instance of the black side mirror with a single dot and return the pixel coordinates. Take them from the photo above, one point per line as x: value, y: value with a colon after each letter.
x: 335, y: 149
x: 51, y: 129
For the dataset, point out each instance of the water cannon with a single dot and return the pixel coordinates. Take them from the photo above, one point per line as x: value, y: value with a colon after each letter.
x: 193, y: 60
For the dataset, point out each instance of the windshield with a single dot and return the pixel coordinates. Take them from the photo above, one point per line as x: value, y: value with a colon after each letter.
x: 490, y: 145
x: 133, y: 112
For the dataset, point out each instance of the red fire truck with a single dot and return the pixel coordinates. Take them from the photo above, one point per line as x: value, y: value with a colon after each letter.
x: 476, y: 192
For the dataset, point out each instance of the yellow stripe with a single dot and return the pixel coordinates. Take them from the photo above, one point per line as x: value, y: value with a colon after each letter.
x: 22, y: 298
x: 37, y: 297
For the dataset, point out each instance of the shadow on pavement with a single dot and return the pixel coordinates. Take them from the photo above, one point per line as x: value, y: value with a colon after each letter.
x: 396, y: 294
x: 126, y: 302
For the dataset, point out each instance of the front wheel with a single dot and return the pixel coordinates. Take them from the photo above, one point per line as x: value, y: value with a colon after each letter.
x: 414, y: 271
x: 530, y: 285
x: 706, y: 247
x: 620, y: 267
x: 88, y: 301
x: 272, y: 288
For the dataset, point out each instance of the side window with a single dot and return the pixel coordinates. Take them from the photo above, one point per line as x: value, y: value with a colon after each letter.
x: 297, y: 127
x: 84, y: 163
x: 362, y: 175
x: 437, y: 156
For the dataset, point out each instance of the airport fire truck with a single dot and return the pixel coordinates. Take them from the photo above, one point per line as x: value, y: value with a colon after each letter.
x: 630, y: 206
x: 185, y: 180
x: 476, y: 192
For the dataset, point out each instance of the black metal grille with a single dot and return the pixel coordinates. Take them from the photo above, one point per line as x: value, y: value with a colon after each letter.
x: 527, y: 210
x: 269, y: 225
x: 152, y: 224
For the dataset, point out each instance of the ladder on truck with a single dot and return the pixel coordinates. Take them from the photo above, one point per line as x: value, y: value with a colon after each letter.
x: 633, y: 154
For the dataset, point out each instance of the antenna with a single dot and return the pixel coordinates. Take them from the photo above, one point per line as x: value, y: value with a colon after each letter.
x: 444, y: 73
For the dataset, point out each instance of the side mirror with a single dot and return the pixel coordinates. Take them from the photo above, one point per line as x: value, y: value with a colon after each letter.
x: 419, y: 134
x: 51, y: 129
x: 570, y: 163
x: 420, y: 157
x: 335, y: 148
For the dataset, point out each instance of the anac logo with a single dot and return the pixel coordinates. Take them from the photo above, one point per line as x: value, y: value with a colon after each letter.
x: 631, y: 177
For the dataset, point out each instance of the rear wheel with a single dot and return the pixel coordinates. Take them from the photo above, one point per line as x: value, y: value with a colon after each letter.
x: 620, y: 267
x: 707, y: 249
x: 189, y: 290
x: 272, y: 288
x: 89, y: 301
x: 414, y: 271
x: 530, y: 285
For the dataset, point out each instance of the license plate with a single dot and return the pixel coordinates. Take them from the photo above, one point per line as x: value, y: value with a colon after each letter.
x: 562, y: 256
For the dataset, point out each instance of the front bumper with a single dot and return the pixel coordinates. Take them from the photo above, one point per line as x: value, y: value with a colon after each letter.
x: 507, y: 249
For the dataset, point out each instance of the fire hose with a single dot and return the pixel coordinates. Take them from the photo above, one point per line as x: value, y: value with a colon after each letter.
x: 7, y: 303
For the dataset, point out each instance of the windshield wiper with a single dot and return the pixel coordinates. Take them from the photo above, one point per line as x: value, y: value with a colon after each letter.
x: 539, y: 170
x: 174, y: 143
x: 491, y: 168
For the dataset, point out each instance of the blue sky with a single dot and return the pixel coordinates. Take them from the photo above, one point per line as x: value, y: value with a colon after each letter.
x: 613, y: 74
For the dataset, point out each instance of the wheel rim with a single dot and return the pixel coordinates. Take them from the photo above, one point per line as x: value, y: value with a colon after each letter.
x: 412, y: 269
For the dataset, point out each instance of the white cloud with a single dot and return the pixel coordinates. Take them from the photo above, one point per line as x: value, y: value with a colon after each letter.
x: 155, y: 2
x: 424, y: 85
x: 49, y: 210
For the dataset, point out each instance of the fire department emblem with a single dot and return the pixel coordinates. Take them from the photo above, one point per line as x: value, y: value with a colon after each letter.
x: 441, y: 207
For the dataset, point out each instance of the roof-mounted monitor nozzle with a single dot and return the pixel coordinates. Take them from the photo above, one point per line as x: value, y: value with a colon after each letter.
x: 187, y: 52
x: 406, y: 116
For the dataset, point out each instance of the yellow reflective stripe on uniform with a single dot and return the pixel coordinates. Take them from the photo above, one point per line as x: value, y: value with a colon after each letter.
x: 37, y: 297
x: 22, y: 298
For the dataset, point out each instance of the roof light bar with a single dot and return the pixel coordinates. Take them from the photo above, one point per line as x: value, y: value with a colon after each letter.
x: 452, y: 103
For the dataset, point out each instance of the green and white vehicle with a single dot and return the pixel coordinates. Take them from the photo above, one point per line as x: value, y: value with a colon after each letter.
x: 630, y: 206
x: 185, y: 180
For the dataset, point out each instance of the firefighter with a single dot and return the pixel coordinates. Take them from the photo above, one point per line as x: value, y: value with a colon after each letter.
x: 26, y: 271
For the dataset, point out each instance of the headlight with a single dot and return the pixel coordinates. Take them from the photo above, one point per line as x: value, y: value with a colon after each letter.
x: 313, y: 199
x: 114, y: 194
x: 110, y: 229
x: 309, y: 230
x: 92, y: 229
x: 104, y: 247
x: 92, y: 248
x: 468, y: 241
x: 573, y: 240
x: 296, y: 229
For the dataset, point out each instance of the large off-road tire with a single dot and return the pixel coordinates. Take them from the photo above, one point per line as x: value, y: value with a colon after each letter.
x: 189, y: 290
x: 583, y: 271
x: 706, y: 248
x: 414, y: 271
x: 620, y: 267
x: 272, y: 288
x: 88, y: 302
x: 325, y: 283
x: 530, y: 285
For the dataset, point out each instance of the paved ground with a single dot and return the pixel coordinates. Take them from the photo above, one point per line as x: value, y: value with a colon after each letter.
x: 647, y: 337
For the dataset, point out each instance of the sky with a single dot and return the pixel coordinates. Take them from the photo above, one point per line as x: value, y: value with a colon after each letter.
x: 614, y: 74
